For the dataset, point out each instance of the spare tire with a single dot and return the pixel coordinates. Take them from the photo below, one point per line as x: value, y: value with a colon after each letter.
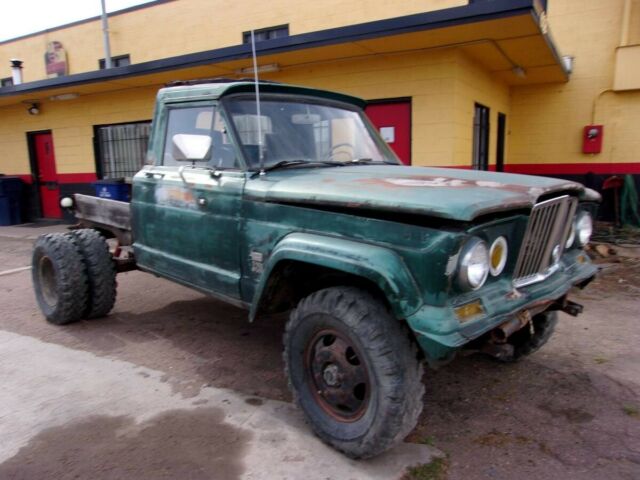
x: 101, y: 271
x: 59, y: 278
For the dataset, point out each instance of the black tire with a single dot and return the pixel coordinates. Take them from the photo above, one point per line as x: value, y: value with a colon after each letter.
x: 529, y: 340
x: 369, y: 347
x: 101, y: 271
x: 59, y: 279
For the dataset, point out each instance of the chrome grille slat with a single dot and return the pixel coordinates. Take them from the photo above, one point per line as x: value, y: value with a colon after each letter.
x: 543, y: 261
x: 549, y: 225
x: 540, y: 227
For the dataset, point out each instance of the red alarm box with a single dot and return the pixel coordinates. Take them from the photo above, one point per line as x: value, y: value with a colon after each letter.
x: 592, y: 138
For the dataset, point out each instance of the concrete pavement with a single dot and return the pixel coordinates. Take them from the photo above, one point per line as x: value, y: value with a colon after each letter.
x: 57, y: 403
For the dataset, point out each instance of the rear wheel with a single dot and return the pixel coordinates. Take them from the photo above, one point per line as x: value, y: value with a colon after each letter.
x: 101, y: 271
x: 354, y: 371
x: 59, y: 279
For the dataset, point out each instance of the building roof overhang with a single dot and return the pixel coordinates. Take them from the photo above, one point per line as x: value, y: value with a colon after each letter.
x: 509, y: 38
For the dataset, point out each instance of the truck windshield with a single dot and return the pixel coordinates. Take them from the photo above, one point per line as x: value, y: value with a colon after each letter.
x: 297, y: 129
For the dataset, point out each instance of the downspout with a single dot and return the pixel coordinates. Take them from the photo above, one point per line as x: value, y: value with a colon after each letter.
x: 105, y: 36
x: 626, y: 19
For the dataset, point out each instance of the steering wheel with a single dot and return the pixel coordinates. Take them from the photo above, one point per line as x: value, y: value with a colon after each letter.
x: 332, y: 151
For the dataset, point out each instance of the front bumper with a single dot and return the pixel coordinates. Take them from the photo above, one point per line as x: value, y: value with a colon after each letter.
x: 440, y: 333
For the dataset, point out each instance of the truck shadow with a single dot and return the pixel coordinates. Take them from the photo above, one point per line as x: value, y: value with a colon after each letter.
x: 195, y: 343
x: 195, y: 444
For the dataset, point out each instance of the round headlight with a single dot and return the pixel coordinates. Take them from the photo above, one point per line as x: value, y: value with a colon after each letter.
x: 474, y: 264
x: 66, y: 202
x: 572, y: 236
x: 584, y: 228
x: 498, y: 256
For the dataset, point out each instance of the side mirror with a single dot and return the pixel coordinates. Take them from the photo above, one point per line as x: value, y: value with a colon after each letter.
x: 190, y: 148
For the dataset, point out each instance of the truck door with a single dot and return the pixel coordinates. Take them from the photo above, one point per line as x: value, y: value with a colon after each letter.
x: 185, y: 215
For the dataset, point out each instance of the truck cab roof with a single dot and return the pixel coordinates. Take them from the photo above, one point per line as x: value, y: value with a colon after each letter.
x: 217, y: 90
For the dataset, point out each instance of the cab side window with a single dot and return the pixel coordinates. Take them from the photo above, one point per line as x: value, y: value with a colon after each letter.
x: 200, y: 121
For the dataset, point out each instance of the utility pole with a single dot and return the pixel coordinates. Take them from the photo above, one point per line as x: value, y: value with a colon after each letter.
x: 105, y: 36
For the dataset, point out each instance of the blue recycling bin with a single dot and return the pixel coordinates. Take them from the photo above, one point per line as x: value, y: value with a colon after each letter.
x: 113, y: 189
x: 10, y: 200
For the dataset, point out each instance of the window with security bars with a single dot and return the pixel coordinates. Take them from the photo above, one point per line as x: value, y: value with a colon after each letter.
x: 480, y: 151
x: 266, y: 33
x: 121, y: 150
x: 119, y: 61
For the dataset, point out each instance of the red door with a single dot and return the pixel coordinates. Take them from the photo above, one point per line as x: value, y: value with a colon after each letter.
x: 47, y: 176
x: 393, y: 121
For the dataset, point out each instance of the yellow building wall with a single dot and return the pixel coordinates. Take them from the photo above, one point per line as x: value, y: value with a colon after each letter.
x: 475, y: 85
x: 443, y: 86
x: 547, y: 120
x: 627, y: 68
x: 71, y: 123
x: 427, y: 77
x: 634, y: 23
x: 186, y: 26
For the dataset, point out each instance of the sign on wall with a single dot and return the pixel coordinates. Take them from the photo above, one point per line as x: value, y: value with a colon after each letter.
x: 55, y: 60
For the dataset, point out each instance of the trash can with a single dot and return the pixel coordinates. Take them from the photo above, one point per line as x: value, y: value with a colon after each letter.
x: 10, y: 200
x: 113, y: 189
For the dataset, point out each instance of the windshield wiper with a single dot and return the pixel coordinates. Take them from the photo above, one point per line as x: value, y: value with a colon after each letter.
x: 367, y: 161
x: 291, y: 163
x: 361, y: 160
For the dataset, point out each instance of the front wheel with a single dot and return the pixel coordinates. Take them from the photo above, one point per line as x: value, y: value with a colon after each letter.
x: 354, y: 371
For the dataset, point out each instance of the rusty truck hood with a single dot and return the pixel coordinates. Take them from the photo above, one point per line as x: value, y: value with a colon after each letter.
x: 441, y: 192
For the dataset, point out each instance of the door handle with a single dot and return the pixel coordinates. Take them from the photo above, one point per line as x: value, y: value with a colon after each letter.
x: 51, y: 185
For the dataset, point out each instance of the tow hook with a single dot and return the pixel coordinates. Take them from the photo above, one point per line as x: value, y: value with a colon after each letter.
x: 567, y: 306
x: 572, y: 308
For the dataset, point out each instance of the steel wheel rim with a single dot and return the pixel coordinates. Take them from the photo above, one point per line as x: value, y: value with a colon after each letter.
x: 337, y: 375
x: 47, y: 276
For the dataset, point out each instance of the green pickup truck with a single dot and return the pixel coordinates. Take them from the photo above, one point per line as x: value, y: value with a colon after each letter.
x: 295, y: 204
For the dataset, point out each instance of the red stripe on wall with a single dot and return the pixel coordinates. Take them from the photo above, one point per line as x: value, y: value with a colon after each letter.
x: 76, y: 177
x: 573, y: 168
x: 563, y: 168
x: 63, y: 177
x: 24, y: 178
x: 492, y: 168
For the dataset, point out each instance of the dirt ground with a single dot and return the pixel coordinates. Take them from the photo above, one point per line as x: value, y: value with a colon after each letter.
x: 570, y: 411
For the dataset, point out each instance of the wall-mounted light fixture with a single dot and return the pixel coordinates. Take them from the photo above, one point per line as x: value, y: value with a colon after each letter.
x: 33, y: 109
x: 269, y: 67
x: 567, y: 61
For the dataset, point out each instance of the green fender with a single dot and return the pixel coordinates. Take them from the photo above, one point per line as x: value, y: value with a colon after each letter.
x: 380, y: 265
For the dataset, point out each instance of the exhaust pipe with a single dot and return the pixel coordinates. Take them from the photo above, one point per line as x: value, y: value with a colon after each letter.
x: 508, y: 328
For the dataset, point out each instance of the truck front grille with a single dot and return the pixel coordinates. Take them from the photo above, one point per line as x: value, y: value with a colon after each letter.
x: 548, y: 228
